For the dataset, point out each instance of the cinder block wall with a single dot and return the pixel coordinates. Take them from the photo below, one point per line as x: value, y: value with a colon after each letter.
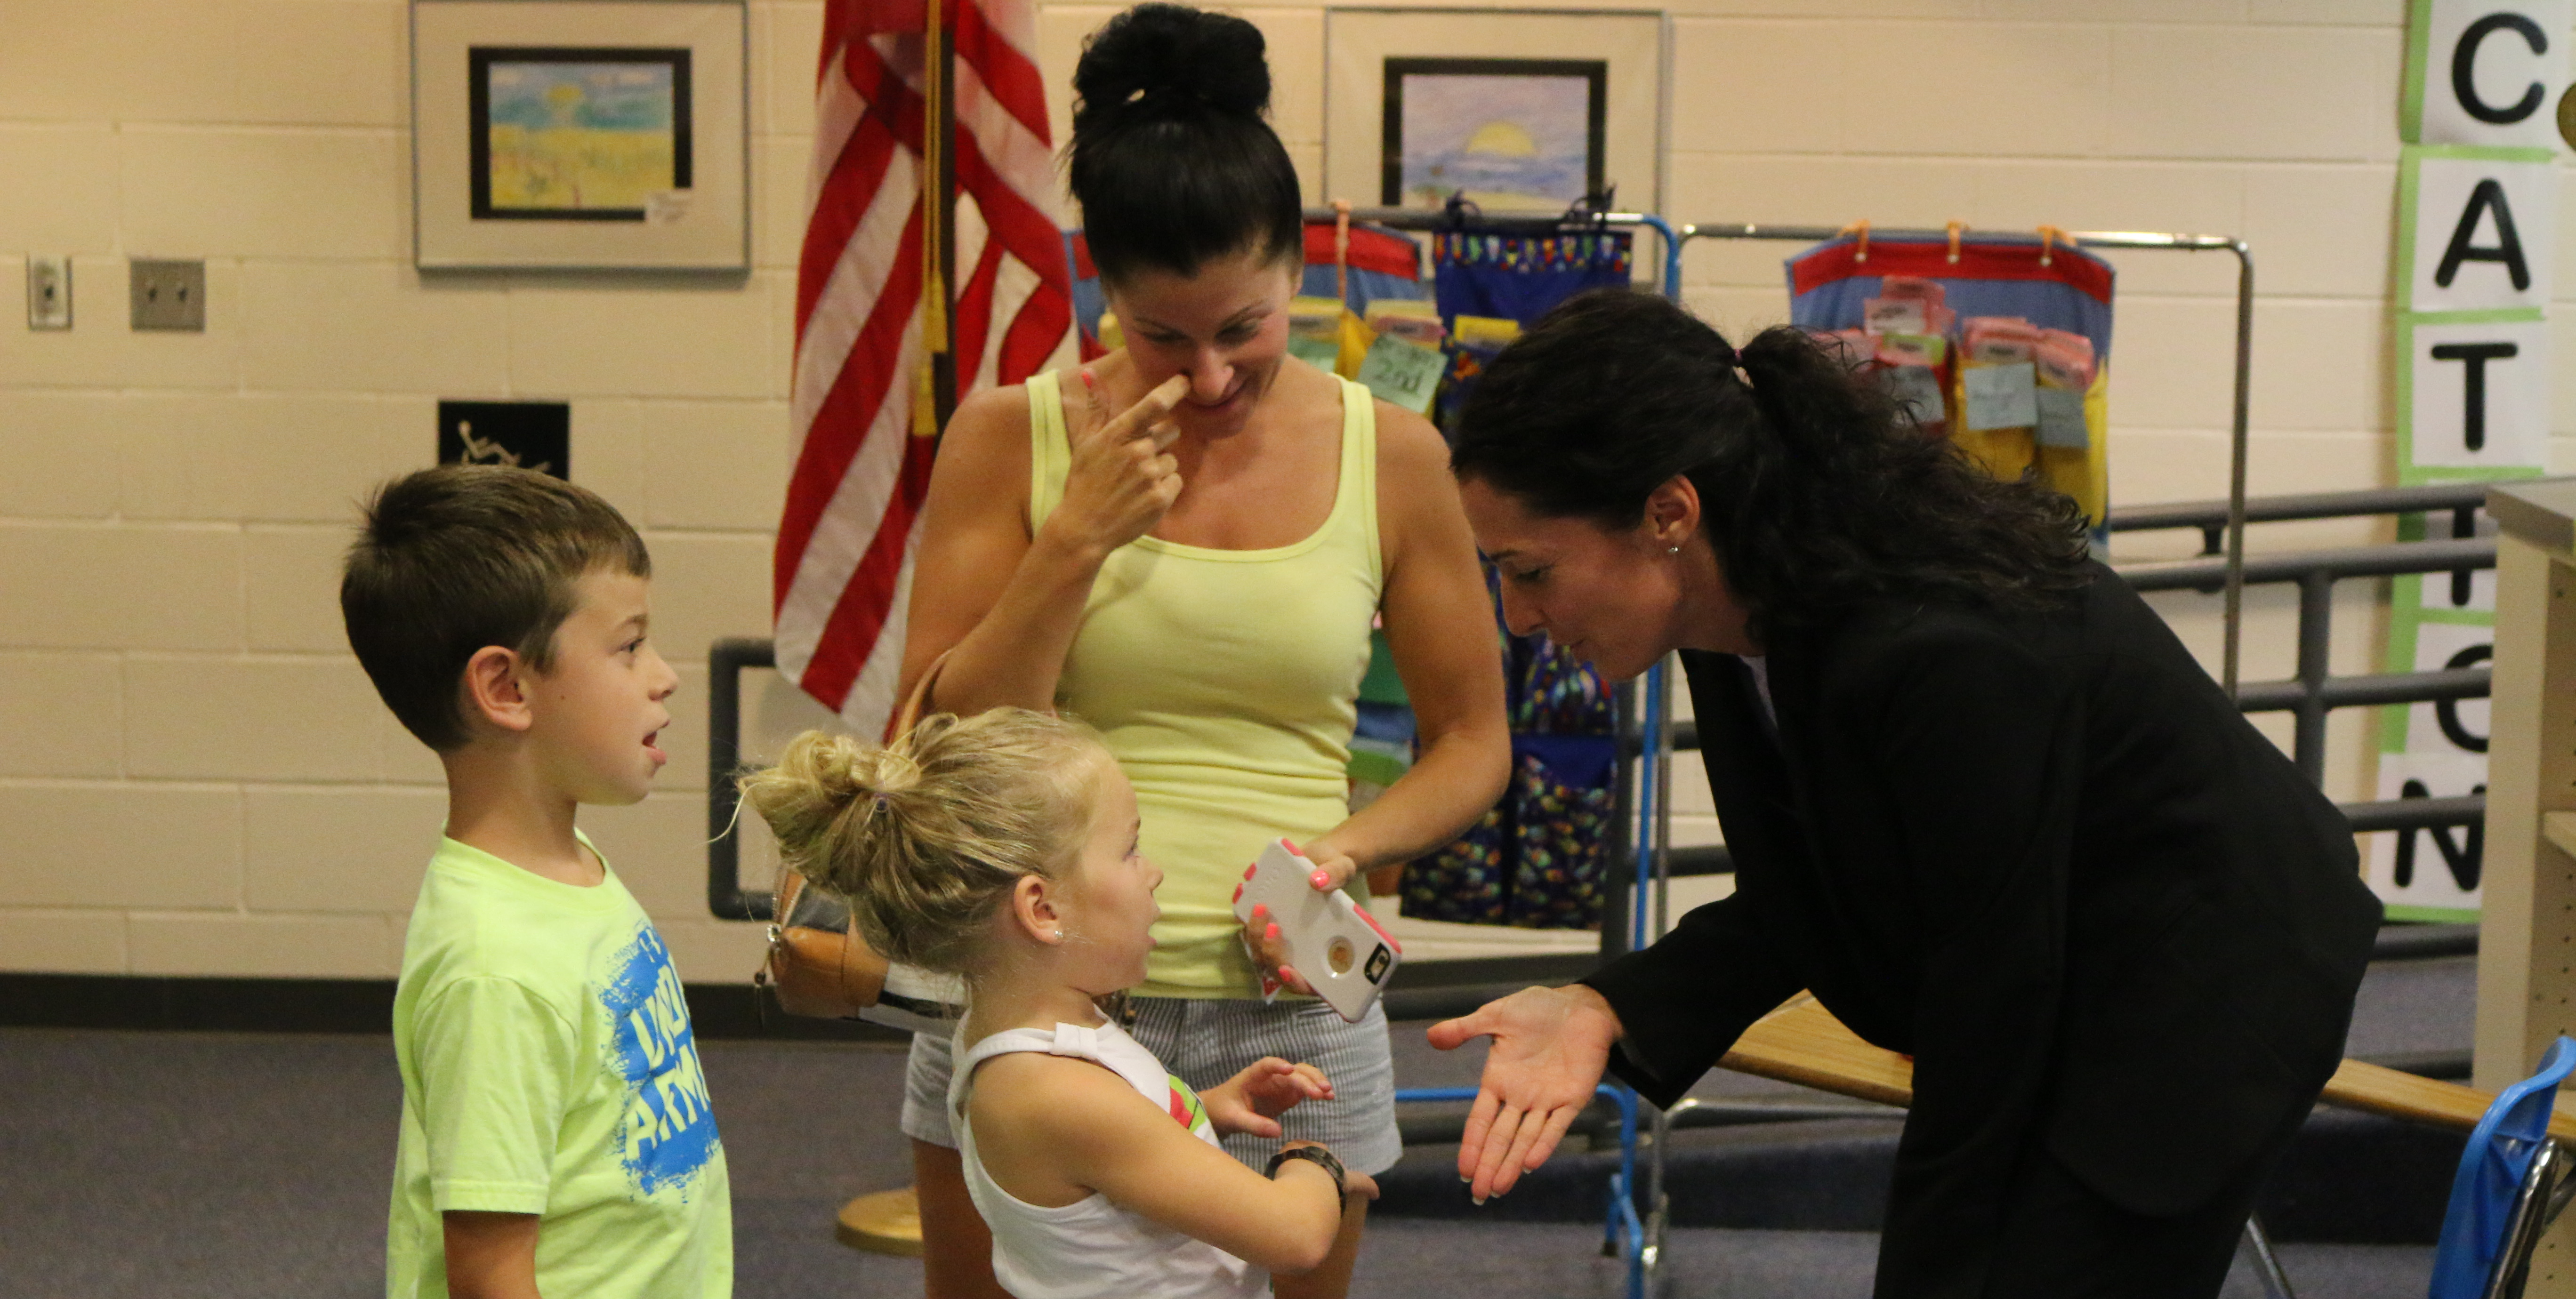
x: 195, y: 777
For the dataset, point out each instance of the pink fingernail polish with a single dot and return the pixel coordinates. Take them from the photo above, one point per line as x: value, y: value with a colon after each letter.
x: 1322, y: 880
x: 1272, y: 932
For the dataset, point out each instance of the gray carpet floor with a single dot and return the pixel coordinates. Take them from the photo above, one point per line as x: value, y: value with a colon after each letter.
x: 224, y: 1165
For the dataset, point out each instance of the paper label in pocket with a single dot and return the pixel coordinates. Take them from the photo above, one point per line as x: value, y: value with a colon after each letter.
x: 2001, y: 396
x: 1405, y: 374
x: 1917, y: 390
x: 2061, y: 419
x: 1320, y: 353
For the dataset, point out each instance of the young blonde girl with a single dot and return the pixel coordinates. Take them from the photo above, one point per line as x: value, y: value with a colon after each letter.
x: 1003, y: 848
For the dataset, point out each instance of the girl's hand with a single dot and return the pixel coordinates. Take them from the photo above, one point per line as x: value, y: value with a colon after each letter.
x: 1333, y: 869
x: 1123, y: 477
x: 1250, y: 1102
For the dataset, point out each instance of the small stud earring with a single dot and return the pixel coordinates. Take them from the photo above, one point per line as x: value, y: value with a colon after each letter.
x: 1672, y: 550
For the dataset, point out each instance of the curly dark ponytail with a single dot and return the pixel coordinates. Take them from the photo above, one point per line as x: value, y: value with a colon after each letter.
x: 1815, y: 490
x: 1171, y: 159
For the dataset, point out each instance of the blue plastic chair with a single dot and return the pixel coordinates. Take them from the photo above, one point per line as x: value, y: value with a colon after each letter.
x: 2502, y: 1198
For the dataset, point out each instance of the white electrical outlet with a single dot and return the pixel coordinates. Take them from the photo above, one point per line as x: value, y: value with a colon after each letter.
x: 49, y: 292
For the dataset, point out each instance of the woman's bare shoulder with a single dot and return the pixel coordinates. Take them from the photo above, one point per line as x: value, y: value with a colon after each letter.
x: 1411, y: 453
x: 988, y: 435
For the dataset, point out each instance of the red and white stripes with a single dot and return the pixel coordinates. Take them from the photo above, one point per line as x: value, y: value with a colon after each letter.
x: 843, y: 565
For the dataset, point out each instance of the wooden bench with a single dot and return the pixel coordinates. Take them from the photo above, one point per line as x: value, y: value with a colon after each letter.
x: 1803, y: 1043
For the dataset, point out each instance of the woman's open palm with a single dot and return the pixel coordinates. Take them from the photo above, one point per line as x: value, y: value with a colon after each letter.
x: 1549, y: 1047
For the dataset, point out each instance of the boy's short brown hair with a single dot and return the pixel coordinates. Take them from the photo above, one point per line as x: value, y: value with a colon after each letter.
x: 452, y: 559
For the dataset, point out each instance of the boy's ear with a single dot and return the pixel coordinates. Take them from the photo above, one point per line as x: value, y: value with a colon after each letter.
x: 1034, y: 909
x: 495, y: 692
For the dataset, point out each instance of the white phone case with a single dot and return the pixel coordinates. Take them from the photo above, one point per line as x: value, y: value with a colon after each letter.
x: 1332, y: 941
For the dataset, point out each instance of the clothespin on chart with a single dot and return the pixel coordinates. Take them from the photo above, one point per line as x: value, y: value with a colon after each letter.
x: 1342, y: 250
x: 2049, y: 238
x: 1859, y: 228
x: 1957, y: 228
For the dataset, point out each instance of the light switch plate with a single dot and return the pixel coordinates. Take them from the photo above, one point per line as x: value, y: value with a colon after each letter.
x: 168, y: 295
x: 49, y: 292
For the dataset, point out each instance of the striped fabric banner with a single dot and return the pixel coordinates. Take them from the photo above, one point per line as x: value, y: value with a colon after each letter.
x: 843, y: 567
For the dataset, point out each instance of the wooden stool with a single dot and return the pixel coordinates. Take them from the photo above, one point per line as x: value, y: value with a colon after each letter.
x: 882, y: 1222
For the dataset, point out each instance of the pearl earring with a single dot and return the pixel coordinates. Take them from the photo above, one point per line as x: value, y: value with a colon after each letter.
x: 1672, y: 550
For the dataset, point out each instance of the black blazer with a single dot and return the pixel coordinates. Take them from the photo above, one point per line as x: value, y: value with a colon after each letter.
x: 2045, y: 856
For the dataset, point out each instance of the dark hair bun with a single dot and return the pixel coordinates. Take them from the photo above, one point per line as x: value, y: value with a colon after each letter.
x: 1160, y: 61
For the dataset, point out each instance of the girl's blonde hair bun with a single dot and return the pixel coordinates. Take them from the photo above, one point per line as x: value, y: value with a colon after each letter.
x: 926, y: 836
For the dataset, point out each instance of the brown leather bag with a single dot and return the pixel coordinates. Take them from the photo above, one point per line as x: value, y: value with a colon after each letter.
x: 819, y: 967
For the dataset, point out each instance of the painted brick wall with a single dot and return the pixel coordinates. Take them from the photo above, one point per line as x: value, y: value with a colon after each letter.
x: 195, y: 777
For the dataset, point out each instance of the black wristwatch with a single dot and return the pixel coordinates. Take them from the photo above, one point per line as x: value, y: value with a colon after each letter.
x: 1320, y: 1158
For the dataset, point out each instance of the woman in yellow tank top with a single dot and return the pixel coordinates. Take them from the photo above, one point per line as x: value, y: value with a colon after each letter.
x: 1185, y: 544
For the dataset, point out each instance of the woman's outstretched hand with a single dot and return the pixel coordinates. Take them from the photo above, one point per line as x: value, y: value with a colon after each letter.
x: 1550, y: 1045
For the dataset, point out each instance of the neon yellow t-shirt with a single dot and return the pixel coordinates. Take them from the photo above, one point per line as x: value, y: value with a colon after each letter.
x: 548, y: 1067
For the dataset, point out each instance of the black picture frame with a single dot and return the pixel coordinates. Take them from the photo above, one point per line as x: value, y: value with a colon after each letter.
x: 479, y: 62
x: 1595, y: 72
x: 533, y: 435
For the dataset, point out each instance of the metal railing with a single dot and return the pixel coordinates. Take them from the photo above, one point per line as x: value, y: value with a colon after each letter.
x: 2315, y: 690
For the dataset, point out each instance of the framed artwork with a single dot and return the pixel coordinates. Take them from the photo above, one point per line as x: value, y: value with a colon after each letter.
x: 579, y: 135
x: 521, y: 434
x: 1509, y: 134
x: 1521, y: 110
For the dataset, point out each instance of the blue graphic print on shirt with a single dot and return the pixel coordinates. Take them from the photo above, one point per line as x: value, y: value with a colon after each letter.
x: 670, y: 1126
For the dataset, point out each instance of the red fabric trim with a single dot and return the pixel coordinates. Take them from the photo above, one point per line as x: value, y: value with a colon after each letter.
x: 1082, y: 267
x: 1371, y: 250
x: 2081, y: 271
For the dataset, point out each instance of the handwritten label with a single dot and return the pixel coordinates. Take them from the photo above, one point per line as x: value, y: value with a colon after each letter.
x: 2001, y: 396
x: 1405, y: 374
x: 2061, y: 419
x: 1917, y: 390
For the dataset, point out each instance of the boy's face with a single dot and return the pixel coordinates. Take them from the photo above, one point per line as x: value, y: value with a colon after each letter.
x: 598, y: 710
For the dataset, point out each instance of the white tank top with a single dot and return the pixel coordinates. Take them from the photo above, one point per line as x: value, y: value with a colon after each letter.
x: 1092, y: 1249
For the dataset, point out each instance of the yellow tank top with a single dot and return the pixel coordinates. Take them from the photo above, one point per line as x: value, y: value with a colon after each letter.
x: 1226, y: 682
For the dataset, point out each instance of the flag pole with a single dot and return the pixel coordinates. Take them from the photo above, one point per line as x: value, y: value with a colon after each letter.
x: 929, y: 402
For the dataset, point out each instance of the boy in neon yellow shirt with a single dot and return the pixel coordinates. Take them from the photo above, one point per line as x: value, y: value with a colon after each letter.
x: 557, y: 1138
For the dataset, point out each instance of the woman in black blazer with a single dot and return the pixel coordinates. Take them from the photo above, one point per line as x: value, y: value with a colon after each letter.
x: 1982, y: 803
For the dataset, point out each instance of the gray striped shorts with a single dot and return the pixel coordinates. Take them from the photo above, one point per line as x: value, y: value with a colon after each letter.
x: 1208, y: 1040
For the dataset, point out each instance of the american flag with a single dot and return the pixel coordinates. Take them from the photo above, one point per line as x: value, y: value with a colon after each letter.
x: 865, y: 328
